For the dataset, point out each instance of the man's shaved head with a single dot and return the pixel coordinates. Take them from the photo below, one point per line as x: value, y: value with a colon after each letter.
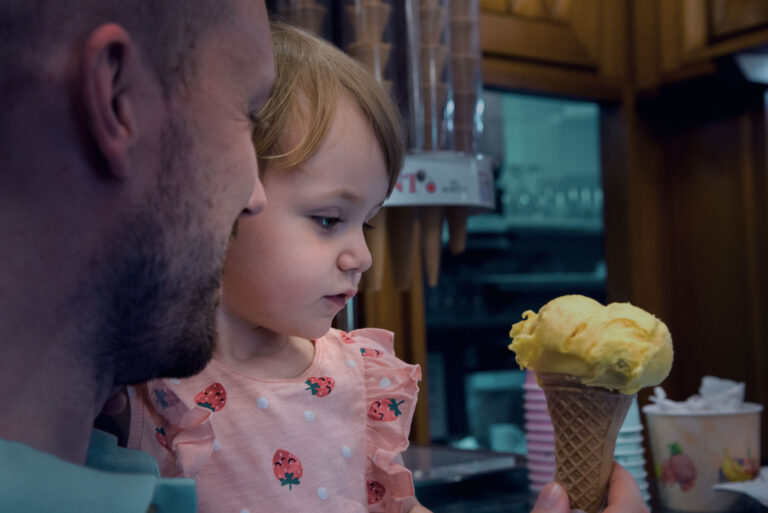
x: 167, y: 31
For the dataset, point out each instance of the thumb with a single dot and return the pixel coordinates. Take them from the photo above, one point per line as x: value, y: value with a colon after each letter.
x: 552, y: 499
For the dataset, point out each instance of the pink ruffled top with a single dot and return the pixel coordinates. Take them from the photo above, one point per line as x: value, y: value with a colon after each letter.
x: 324, y: 441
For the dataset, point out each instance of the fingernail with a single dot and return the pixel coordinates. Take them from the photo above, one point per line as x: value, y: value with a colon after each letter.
x: 549, y: 496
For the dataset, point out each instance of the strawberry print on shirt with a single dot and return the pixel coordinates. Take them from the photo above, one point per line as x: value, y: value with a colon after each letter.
x: 385, y: 410
x: 214, y: 397
x: 320, y: 387
x: 287, y: 468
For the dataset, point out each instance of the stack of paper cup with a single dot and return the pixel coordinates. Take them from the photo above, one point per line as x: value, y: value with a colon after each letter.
x: 540, y: 440
x: 539, y: 435
x: 629, y: 449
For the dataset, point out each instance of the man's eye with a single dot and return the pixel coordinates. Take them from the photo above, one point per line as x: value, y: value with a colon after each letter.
x: 326, y: 222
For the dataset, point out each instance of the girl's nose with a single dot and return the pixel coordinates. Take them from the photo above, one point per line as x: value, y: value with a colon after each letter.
x: 258, y: 199
x: 355, y: 256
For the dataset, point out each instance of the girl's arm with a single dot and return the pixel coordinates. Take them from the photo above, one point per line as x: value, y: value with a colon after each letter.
x: 411, y: 505
x: 415, y: 507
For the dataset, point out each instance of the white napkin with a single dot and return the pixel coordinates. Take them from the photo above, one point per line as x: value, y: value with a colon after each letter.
x: 757, y: 488
x: 715, y: 394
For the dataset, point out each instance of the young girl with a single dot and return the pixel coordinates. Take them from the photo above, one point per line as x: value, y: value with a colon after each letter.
x: 292, y: 416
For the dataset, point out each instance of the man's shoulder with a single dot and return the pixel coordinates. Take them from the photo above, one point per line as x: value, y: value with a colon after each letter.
x: 32, y: 480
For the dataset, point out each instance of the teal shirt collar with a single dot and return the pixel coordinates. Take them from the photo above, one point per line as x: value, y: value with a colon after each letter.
x: 114, y: 480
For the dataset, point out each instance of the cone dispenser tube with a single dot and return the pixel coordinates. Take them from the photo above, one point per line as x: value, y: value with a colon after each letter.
x: 311, y: 15
x: 466, y: 61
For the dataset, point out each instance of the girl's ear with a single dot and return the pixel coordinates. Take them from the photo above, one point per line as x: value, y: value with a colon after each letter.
x: 108, y: 77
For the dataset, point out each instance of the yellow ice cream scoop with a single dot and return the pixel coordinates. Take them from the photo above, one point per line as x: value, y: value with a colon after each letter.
x: 618, y: 346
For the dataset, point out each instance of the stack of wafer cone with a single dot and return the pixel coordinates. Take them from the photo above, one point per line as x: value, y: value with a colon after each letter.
x: 307, y: 14
x: 433, y: 25
x: 369, y: 20
x: 465, y: 62
x: 586, y: 421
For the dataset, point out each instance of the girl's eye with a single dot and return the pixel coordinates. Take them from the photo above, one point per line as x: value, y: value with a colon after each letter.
x: 368, y: 226
x: 326, y: 222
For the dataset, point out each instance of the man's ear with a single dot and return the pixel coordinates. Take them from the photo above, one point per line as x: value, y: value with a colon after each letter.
x: 107, y: 78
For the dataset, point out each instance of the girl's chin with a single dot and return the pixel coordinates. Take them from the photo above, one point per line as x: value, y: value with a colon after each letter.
x: 313, y: 332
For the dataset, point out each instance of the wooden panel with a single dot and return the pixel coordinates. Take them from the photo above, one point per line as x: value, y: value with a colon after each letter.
x: 527, y: 76
x: 693, y: 31
x: 729, y: 17
x: 544, y: 40
x: 567, y: 48
x: 687, y: 228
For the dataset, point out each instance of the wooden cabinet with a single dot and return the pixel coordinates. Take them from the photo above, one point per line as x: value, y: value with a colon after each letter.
x: 678, y: 39
x: 601, y: 48
x: 560, y: 46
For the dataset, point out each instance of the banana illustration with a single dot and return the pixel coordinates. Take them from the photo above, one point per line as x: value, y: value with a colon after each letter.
x: 732, y: 470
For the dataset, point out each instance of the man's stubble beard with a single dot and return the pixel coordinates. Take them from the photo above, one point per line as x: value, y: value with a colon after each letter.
x: 160, y: 282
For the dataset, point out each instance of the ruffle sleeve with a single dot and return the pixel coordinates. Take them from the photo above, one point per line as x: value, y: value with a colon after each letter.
x: 185, y: 431
x: 391, y: 390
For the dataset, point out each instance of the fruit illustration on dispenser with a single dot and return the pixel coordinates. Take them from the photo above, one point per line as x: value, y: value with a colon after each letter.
x: 678, y: 468
x: 738, y: 469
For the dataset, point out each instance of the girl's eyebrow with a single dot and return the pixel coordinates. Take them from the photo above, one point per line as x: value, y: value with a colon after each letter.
x: 345, y: 194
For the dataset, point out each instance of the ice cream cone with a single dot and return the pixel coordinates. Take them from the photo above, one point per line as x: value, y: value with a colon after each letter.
x: 431, y: 222
x: 464, y: 138
x: 435, y: 97
x: 308, y: 16
x: 377, y: 245
x: 466, y: 72
x: 466, y: 7
x: 432, y: 23
x: 465, y: 35
x: 586, y: 420
x: 457, y: 229
x: 374, y: 56
x: 433, y: 59
x: 369, y: 20
x: 401, y: 233
x: 465, y: 105
x: 434, y: 136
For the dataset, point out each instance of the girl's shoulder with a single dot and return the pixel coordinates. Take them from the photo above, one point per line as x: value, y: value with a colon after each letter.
x: 375, y: 338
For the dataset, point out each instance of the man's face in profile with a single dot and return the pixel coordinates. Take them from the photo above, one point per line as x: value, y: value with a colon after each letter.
x: 169, y: 269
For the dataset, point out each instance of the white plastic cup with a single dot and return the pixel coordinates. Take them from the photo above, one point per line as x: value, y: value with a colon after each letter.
x: 693, y: 451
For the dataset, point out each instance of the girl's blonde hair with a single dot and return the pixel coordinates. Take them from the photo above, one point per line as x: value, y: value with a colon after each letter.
x: 311, y: 76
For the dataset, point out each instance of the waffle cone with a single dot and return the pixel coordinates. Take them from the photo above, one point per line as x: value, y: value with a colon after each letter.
x: 431, y: 219
x: 586, y: 422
